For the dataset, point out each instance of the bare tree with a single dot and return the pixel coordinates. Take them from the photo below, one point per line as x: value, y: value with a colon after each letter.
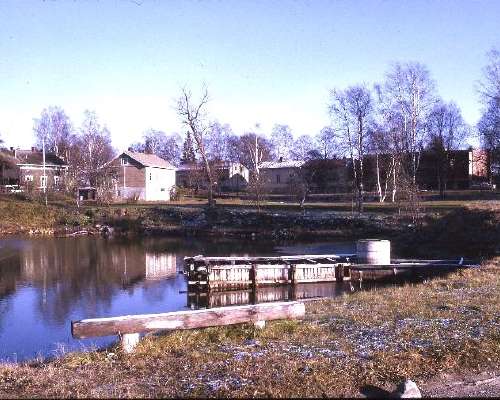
x: 490, y: 85
x: 246, y: 150
x: 409, y: 93
x: 489, y: 130
x: 489, y: 123
x: 282, y: 140
x: 217, y: 141
x: 55, y: 129
x: 446, y: 131
x: 255, y: 149
x: 351, y: 111
x: 159, y: 143
x: 326, y: 142
x: 92, y: 150
x: 304, y: 148
x: 193, y: 116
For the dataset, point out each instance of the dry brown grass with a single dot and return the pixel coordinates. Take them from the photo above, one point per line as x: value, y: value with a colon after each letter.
x: 374, y: 337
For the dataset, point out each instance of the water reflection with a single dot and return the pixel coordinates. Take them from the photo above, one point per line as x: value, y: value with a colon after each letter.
x: 47, y: 282
x: 301, y: 291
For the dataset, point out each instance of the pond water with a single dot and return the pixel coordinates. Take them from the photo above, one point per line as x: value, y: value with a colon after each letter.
x: 45, y: 283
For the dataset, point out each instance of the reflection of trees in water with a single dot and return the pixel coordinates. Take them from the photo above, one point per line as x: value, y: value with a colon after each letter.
x: 85, y: 273
x: 82, y: 273
x: 10, y: 270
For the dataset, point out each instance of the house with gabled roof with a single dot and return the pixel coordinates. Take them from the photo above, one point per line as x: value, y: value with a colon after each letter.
x: 140, y: 176
x: 31, y: 170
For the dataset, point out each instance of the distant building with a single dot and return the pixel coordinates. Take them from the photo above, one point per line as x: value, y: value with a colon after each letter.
x: 26, y: 168
x: 228, y: 176
x: 141, y: 176
x: 458, y: 169
x: 277, y: 176
x: 328, y: 175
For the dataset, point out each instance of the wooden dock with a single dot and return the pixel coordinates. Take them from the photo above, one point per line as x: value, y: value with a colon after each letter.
x: 230, y: 273
x: 239, y: 273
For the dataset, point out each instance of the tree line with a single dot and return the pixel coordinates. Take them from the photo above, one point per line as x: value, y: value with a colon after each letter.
x: 393, y: 121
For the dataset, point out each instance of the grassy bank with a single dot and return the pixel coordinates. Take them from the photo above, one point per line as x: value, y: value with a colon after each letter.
x: 469, y: 229
x: 375, y: 338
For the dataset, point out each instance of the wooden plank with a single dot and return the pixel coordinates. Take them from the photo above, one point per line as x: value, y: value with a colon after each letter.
x: 367, y: 267
x: 272, y: 258
x: 186, y: 319
x: 229, y: 267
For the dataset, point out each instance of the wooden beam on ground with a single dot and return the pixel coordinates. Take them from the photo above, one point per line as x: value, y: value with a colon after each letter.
x: 132, y: 324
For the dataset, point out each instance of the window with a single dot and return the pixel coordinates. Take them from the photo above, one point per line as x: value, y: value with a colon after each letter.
x: 28, y: 178
x: 43, y: 181
x: 56, y: 180
x: 124, y: 161
x: 278, y: 178
x: 150, y: 176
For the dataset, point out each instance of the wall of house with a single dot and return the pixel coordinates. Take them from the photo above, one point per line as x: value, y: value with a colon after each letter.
x: 277, y: 179
x: 30, y: 177
x: 130, y: 179
x: 159, y: 182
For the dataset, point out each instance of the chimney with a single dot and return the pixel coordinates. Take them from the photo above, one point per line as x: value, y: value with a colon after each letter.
x: 281, y: 159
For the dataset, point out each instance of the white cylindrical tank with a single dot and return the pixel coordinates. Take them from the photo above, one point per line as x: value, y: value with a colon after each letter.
x: 373, y: 251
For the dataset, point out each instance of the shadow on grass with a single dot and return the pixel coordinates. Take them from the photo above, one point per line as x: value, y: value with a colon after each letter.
x: 464, y: 232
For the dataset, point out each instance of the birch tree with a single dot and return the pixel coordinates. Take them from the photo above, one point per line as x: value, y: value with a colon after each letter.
x: 91, y: 151
x: 351, y: 111
x: 409, y: 96
x: 55, y: 129
x: 255, y: 149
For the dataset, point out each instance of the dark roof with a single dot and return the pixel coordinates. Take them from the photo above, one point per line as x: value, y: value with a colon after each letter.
x: 149, y: 160
x: 36, y: 158
x: 7, y: 158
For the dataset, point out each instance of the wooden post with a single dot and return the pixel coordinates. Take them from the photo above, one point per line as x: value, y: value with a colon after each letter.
x: 253, y: 275
x: 339, y: 273
x: 259, y: 324
x: 291, y: 273
x: 128, y: 342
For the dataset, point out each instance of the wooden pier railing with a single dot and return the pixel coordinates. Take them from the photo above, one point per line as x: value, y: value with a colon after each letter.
x: 129, y: 327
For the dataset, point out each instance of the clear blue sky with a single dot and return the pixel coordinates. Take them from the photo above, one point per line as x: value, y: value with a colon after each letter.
x: 263, y: 61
